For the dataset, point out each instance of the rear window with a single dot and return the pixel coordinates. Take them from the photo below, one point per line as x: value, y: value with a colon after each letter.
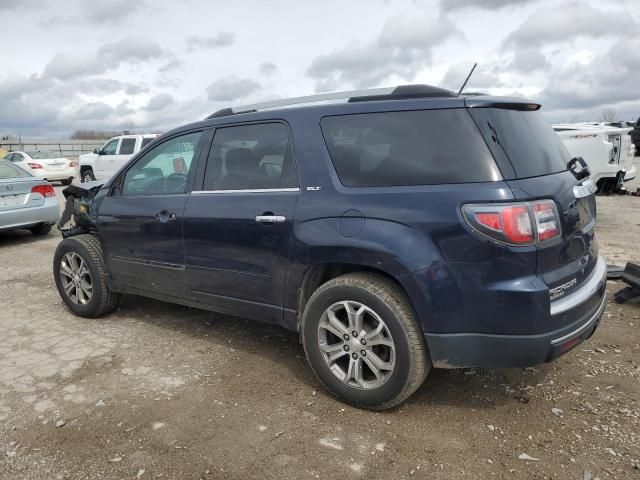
x: 531, y: 145
x: 146, y: 141
x: 422, y: 147
x: 9, y: 170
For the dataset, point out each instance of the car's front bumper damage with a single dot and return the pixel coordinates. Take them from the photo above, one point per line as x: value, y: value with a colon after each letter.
x: 80, y: 206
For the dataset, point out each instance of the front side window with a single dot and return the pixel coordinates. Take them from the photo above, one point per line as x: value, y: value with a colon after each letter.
x: 110, y: 147
x: 127, y: 145
x: 422, y: 147
x: 164, y: 169
x: 251, y: 157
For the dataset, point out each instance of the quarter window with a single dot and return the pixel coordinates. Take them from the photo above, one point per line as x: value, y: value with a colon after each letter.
x: 421, y: 147
x: 164, y: 169
x: 127, y: 145
x: 251, y: 157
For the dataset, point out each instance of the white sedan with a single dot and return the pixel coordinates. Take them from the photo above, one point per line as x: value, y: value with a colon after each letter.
x: 45, y: 165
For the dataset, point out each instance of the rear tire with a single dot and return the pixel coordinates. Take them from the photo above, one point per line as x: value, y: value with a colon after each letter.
x: 81, y: 277
x: 87, y: 175
x: 385, y: 362
x: 41, y: 229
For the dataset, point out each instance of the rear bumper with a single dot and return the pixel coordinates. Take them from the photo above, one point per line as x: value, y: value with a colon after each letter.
x: 65, y: 174
x: 459, y: 350
x: 48, y: 213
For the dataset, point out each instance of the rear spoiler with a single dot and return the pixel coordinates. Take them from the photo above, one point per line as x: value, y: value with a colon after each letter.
x: 507, y: 103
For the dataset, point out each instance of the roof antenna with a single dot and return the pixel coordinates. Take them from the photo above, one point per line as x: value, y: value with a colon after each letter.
x: 467, y: 79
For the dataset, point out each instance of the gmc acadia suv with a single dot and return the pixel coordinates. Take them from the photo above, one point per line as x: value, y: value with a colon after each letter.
x: 394, y: 229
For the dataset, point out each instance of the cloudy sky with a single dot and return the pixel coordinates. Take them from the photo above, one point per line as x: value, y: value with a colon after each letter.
x: 151, y: 65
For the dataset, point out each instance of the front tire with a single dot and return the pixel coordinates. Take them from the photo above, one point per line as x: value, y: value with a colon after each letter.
x: 81, y: 278
x: 87, y: 175
x: 363, y: 342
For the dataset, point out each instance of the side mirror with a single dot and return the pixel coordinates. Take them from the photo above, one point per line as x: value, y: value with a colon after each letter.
x: 96, y: 151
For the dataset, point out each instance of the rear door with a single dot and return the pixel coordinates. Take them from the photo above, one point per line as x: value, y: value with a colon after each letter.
x: 237, y: 226
x: 103, y: 166
x: 539, y: 161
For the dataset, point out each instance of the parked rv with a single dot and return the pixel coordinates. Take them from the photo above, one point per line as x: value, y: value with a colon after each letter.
x: 608, y: 151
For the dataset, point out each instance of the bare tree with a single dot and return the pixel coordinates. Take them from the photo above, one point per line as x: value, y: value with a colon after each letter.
x: 608, y: 115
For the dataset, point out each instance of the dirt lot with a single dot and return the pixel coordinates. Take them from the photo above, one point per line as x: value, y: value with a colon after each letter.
x: 161, y: 391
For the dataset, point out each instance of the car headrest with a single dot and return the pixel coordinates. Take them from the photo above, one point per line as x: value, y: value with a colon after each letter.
x: 241, y: 160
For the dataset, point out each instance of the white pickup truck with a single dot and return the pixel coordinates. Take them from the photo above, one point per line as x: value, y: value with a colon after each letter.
x: 104, y: 162
x: 608, y: 151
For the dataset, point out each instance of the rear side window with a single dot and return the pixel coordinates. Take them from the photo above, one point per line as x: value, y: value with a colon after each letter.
x: 146, y: 141
x: 127, y: 145
x: 422, y: 147
x: 250, y: 157
x: 531, y: 145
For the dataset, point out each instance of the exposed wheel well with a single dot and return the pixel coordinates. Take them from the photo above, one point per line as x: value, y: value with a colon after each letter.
x: 322, y: 273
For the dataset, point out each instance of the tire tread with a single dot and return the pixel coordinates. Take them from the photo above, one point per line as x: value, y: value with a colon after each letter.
x: 391, y: 294
x: 108, y: 300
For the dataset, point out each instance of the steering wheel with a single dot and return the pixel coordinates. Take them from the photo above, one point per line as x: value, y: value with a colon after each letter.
x: 175, y: 182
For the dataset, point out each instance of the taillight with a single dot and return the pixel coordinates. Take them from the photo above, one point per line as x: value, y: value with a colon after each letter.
x: 73, y: 163
x: 547, y: 221
x: 45, y: 190
x: 34, y: 165
x: 523, y: 223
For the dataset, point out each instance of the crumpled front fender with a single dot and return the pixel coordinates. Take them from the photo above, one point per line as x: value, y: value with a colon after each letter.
x: 81, y: 206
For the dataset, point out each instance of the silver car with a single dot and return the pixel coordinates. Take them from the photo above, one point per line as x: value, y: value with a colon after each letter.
x: 26, y: 201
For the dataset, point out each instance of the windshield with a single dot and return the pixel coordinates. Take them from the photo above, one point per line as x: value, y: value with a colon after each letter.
x: 9, y: 170
x: 525, y: 137
x: 42, y: 155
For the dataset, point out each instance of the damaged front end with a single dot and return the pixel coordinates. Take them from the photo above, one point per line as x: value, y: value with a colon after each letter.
x: 81, y: 206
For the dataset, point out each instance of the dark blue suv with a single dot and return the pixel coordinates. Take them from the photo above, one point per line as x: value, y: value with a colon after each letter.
x: 395, y: 230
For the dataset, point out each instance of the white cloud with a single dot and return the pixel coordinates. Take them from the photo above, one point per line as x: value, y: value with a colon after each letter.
x: 401, y: 49
x: 107, y: 57
x: 568, y: 22
x: 222, y: 39
x: 231, y: 88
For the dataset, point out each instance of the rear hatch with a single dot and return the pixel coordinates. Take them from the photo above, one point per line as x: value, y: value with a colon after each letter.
x: 534, y: 163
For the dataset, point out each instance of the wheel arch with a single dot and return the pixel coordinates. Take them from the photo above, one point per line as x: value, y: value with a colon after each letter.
x: 318, y: 274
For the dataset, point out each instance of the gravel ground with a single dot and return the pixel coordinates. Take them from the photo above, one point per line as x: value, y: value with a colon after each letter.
x: 162, y: 391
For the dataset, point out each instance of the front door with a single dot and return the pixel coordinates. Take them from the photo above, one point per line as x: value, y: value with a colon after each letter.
x: 141, y: 220
x: 237, y: 227
x: 106, y: 157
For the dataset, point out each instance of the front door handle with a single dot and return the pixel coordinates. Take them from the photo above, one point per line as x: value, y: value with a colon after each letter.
x: 271, y: 219
x: 165, y: 216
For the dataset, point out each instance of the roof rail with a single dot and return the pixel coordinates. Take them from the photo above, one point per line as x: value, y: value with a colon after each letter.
x: 372, y: 94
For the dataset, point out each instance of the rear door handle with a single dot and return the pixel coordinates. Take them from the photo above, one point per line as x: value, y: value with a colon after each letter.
x: 271, y: 219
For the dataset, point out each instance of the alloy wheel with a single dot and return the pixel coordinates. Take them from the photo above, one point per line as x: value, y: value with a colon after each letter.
x: 76, y: 278
x: 356, y: 345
